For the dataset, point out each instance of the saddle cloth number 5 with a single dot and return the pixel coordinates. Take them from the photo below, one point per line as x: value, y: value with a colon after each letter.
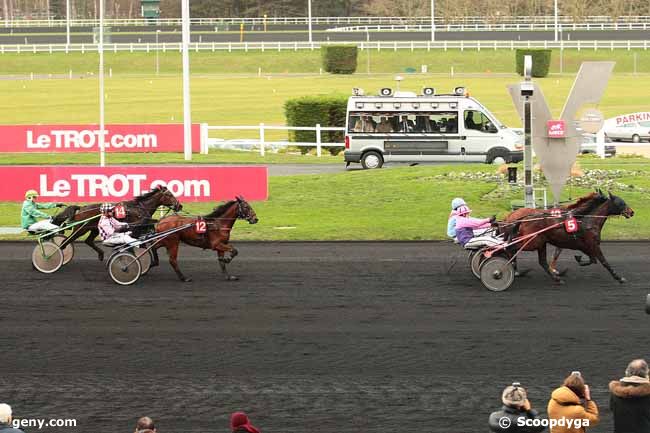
x: 571, y: 225
x: 120, y: 212
x: 201, y: 226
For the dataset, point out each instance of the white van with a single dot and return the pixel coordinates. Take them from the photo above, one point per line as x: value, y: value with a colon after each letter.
x: 405, y: 127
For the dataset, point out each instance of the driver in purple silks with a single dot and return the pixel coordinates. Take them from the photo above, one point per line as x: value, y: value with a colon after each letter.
x: 465, y: 225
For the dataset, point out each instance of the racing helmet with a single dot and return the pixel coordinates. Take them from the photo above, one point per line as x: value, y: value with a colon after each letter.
x: 106, y: 207
x: 463, y: 210
x: 31, y: 193
x: 457, y: 202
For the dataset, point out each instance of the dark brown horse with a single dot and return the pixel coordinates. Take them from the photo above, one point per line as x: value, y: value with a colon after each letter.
x: 138, y: 214
x: 591, y: 213
x: 218, y: 226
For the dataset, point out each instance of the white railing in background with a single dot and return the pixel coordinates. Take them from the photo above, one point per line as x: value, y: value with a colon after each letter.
x: 471, y: 20
x: 494, y: 27
x: 295, y: 46
x: 207, y: 142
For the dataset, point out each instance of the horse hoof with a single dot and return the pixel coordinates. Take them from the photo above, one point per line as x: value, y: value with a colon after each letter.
x: 562, y: 272
x: 522, y: 273
x: 231, y: 278
x: 187, y: 280
x: 100, y: 257
x: 560, y: 282
x: 622, y: 280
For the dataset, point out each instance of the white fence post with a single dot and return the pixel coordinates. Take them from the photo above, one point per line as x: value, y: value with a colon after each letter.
x: 261, y: 139
x: 204, y: 139
x: 318, y: 140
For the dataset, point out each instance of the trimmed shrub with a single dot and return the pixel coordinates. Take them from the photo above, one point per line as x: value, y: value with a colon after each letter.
x: 312, y: 110
x: 541, y: 61
x: 339, y: 59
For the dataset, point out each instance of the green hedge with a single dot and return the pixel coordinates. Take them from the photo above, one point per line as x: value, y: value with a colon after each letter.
x: 312, y: 110
x: 339, y: 59
x: 541, y: 61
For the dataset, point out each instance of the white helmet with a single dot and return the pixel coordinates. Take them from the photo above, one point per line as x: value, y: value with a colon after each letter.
x: 457, y: 202
x: 106, y: 207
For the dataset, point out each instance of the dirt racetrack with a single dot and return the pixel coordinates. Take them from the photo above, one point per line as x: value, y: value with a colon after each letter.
x: 314, y: 338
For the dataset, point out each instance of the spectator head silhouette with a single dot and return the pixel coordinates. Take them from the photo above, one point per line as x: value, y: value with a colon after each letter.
x: 239, y: 422
x: 514, y: 396
x: 636, y: 372
x: 5, y: 413
x: 144, y: 425
x: 575, y: 383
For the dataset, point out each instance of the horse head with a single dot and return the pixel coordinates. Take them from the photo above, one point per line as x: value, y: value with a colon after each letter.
x: 245, y: 211
x: 166, y: 198
x: 617, y: 206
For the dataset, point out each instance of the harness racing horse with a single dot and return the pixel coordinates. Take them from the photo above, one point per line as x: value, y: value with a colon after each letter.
x: 138, y: 215
x: 218, y: 225
x: 591, y: 213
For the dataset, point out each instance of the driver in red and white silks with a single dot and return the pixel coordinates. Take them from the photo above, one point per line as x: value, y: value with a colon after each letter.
x: 112, y: 231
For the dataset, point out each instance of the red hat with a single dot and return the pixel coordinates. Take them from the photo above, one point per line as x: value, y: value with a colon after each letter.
x: 239, y: 420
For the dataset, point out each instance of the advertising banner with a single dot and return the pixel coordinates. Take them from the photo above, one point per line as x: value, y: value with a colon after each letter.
x: 85, y: 138
x: 202, y: 183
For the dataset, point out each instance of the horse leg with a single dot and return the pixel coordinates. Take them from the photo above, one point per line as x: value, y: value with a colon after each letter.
x: 223, y: 261
x: 172, y: 250
x: 598, y: 254
x: 553, y: 265
x: 90, y: 241
x: 591, y: 261
x: 541, y: 255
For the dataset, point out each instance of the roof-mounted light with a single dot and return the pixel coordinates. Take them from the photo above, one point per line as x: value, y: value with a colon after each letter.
x: 428, y: 91
x: 386, y: 91
x: 460, y: 91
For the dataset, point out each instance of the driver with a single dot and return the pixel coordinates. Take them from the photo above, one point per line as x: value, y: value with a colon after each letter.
x: 465, y: 226
x: 112, y: 231
x: 30, y: 212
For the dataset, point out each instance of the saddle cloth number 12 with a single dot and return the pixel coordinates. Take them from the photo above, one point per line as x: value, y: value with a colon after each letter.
x: 201, y: 226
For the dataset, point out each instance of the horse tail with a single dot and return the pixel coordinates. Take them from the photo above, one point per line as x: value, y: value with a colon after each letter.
x: 65, y: 215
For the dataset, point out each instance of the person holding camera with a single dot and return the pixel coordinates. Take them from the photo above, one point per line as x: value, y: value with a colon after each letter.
x: 516, y: 415
x: 571, y: 406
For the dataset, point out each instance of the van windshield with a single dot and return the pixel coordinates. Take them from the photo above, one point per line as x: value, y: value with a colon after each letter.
x: 438, y: 122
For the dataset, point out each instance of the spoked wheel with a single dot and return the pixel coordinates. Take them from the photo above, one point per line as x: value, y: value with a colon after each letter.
x: 144, y: 257
x: 476, y: 258
x: 68, y: 251
x: 47, y: 257
x: 497, y: 274
x: 124, y: 268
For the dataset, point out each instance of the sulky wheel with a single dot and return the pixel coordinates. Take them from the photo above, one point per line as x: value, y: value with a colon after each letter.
x: 476, y: 258
x: 68, y: 251
x: 124, y: 268
x: 47, y: 257
x: 144, y: 256
x: 497, y: 274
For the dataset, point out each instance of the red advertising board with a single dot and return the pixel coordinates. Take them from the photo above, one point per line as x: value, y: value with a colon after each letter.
x: 115, y: 183
x: 85, y: 138
x: 556, y: 128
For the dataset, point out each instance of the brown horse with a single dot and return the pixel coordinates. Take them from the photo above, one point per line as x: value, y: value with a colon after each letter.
x: 218, y: 224
x: 138, y: 214
x: 591, y: 213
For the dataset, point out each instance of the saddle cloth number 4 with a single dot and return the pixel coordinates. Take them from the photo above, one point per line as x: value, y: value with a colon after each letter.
x: 571, y: 225
x: 201, y: 226
x: 120, y: 212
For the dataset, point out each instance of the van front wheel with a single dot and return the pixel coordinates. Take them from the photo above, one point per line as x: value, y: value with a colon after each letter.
x: 372, y: 160
x: 498, y: 156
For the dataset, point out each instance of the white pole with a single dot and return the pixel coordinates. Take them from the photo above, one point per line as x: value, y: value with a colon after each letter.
x: 67, y: 22
x: 309, y: 19
x: 157, y: 54
x: 187, y: 113
x: 555, y: 11
x: 433, y: 22
x: 100, y: 48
